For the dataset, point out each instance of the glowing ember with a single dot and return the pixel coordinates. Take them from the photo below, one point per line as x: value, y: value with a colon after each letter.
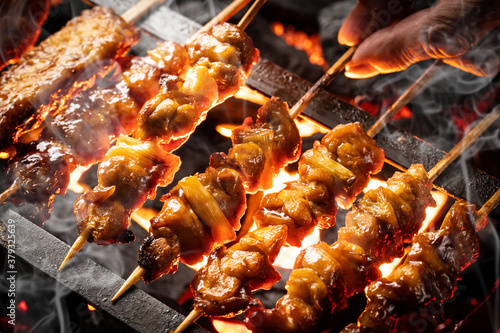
x: 4, y: 155
x: 23, y: 306
x: 90, y: 307
x: 251, y: 95
x: 74, y: 181
x: 226, y: 326
x: 286, y: 257
x: 311, y: 45
x: 142, y: 216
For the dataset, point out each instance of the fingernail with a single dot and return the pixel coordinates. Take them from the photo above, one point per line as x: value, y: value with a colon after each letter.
x: 361, y: 72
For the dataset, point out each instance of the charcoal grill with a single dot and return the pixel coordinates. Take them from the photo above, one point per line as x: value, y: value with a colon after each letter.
x: 137, y: 310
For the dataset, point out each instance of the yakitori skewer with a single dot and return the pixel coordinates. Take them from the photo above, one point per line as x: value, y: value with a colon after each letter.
x: 429, y: 272
x: 81, y: 51
x: 169, y: 117
x: 221, y: 160
x: 20, y: 23
x: 325, y: 276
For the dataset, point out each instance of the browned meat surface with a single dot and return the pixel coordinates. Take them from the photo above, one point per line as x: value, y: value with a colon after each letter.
x: 202, y: 212
x: 20, y: 23
x: 312, y: 199
x: 324, y: 276
x: 221, y: 59
x: 262, y: 148
x: 127, y: 177
x: 224, y: 286
x: 430, y: 271
x: 42, y: 170
x: 76, y: 53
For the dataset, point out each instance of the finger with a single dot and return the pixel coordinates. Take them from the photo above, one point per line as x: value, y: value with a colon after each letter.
x: 370, y: 16
x: 483, y: 59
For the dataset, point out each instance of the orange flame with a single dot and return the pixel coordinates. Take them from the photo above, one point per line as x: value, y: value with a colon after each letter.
x: 311, y: 45
x: 74, y: 180
x: 90, y: 307
x: 143, y: 216
x: 251, y: 95
x: 229, y: 326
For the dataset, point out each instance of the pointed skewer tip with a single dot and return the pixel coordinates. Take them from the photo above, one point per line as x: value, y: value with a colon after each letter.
x: 77, y: 246
x: 190, y: 319
x: 136, y: 275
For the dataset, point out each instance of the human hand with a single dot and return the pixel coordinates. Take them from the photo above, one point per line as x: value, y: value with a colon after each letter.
x: 391, y: 38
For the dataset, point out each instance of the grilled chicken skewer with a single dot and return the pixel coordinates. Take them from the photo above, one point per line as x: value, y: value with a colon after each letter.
x: 220, y: 60
x: 20, y: 23
x: 325, y: 276
x: 82, y: 50
x: 430, y: 271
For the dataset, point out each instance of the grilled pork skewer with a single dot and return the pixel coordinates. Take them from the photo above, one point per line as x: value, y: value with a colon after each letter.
x: 430, y: 271
x: 220, y: 60
x: 325, y: 276
x: 20, y: 23
x: 83, y: 130
x: 82, y: 50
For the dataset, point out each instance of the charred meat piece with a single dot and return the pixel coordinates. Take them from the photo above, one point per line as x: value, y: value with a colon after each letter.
x: 224, y: 286
x: 20, y: 23
x: 75, y: 54
x: 325, y: 276
x: 41, y: 170
x: 127, y: 177
x: 430, y: 271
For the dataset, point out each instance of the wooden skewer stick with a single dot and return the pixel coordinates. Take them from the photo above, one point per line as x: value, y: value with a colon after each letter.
x: 325, y: 80
x: 464, y: 143
x: 138, y: 10
x: 5, y: 195
x: 136, y: 275
x: 77, y: 245
x: 405, y: 98
x: 139, y: 272
x: 486, y: 209
x: 250, y: 14
x: 191, y: 318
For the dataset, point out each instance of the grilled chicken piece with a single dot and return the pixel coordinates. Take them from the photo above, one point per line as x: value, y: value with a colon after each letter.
x: 224, y: 286
x: 430, y: 271
x: 312, y: 199
x: 127, y: 177
x: 220, y: 61
x: 325, y: 276
x: 41, y: 170
x: 75, y: 54
x: 20, y: 23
